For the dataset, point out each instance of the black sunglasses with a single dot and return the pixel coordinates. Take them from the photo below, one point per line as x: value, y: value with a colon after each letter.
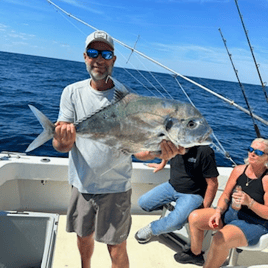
x: 94, y: 53
x: 256, y: 151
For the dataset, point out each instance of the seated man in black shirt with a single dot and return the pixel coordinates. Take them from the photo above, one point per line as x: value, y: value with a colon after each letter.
x: 193, y: 183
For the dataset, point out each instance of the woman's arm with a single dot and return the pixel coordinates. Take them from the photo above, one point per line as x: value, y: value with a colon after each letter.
x: 226, y: 195
x: 259, y: 209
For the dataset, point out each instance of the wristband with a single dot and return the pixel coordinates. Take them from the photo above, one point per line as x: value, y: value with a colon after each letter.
x: 251, y: 203
x: 220, y: 209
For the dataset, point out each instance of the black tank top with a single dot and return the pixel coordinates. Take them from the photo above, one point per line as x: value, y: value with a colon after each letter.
x: 254, y: 188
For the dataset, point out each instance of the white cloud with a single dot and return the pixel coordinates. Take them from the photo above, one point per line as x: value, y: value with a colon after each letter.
x: 21, y: 36
x: 3, y: 27
x: 20, y: 43
x: 61, y: 44
x: 82, y: 4
x: 199, y: 61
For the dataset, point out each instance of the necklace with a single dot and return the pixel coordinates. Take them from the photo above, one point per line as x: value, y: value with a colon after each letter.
x: 249, y: 181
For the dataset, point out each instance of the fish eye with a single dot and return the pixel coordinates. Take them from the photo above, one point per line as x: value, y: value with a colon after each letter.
x: 169, y: 125
x: 191, y: 124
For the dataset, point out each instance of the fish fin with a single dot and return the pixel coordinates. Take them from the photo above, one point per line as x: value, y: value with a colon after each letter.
x: 48, y: 132
x: 125, y: 152
x: 119, y: 95
x: 120, y: 90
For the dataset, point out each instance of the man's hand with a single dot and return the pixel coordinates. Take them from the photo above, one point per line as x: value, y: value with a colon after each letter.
x: 158, y: 167
x: 64, y: 136
x: 169, y: 150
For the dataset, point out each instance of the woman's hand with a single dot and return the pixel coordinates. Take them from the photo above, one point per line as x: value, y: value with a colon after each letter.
x: 214, y: 220
x: 237, y: 196
x: 245, y: 199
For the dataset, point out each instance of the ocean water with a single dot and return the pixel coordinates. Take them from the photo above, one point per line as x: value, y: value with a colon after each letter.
x: 39, y: 81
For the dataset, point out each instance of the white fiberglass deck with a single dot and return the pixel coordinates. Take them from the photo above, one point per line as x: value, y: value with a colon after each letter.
x: 156, y: 254
x: 30, y: 183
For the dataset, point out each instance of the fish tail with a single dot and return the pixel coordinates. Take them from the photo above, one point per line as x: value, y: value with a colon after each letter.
x: 48, y: 132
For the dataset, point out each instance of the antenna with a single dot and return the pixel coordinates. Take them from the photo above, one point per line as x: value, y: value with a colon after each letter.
x: 132, y: 50
x: 241, y: 86
x: 252, y: 53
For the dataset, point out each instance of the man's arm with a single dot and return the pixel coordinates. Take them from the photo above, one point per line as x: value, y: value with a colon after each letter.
x: 64, y: 137
x: 212, y: 187
x: 158, y: 167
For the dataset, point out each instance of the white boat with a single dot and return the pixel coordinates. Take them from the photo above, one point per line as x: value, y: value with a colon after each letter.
x: 34, y: 196
x: 30, y: 184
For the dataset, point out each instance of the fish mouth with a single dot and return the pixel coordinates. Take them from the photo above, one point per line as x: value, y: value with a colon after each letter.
x: 206, y: 139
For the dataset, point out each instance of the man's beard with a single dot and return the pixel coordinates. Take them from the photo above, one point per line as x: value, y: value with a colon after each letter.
x: 97, y: 76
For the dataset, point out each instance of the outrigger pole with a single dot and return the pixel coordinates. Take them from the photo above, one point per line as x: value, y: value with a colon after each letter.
x: 231, y: 102
x: 252, y: 53
x: 241, y: 86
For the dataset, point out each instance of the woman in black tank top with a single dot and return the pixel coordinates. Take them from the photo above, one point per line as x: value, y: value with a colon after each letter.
x: 241, y: 216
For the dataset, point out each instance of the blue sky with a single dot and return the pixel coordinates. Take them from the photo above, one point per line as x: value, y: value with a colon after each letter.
x: 181, y: 34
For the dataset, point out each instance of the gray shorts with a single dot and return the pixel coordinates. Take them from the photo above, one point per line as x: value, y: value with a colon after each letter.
x: 108, y: 215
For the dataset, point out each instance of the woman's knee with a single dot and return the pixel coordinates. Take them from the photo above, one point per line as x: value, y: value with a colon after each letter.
x: 218, y: 239
x: 194, y: 217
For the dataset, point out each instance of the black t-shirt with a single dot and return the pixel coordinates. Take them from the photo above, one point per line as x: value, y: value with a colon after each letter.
x: 188, y: 172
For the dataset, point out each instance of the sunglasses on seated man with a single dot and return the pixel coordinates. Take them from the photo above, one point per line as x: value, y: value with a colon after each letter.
x: 256, y: 151
x: 94, y: 53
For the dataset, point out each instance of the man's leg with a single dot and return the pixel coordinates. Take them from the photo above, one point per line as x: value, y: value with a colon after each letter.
x: 113, y: 225
x: 153, y: 200
x: 86, y: 248
x: 81, y: 220
x: 119, y: 255
x: 175, y: 220
x: 156, y: 197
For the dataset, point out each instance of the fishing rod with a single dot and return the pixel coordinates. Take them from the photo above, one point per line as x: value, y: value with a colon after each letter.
x: 241, y: 86
x: 231, y: 102
x: 252, y: 53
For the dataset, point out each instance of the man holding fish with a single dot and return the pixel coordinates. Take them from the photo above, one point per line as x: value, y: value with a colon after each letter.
x: 101, y: 192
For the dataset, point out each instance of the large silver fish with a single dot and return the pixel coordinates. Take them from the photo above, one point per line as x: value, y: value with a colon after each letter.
x: 134, y: 123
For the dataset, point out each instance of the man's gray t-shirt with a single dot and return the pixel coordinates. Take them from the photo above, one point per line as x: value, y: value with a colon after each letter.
x: 93, y: 167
